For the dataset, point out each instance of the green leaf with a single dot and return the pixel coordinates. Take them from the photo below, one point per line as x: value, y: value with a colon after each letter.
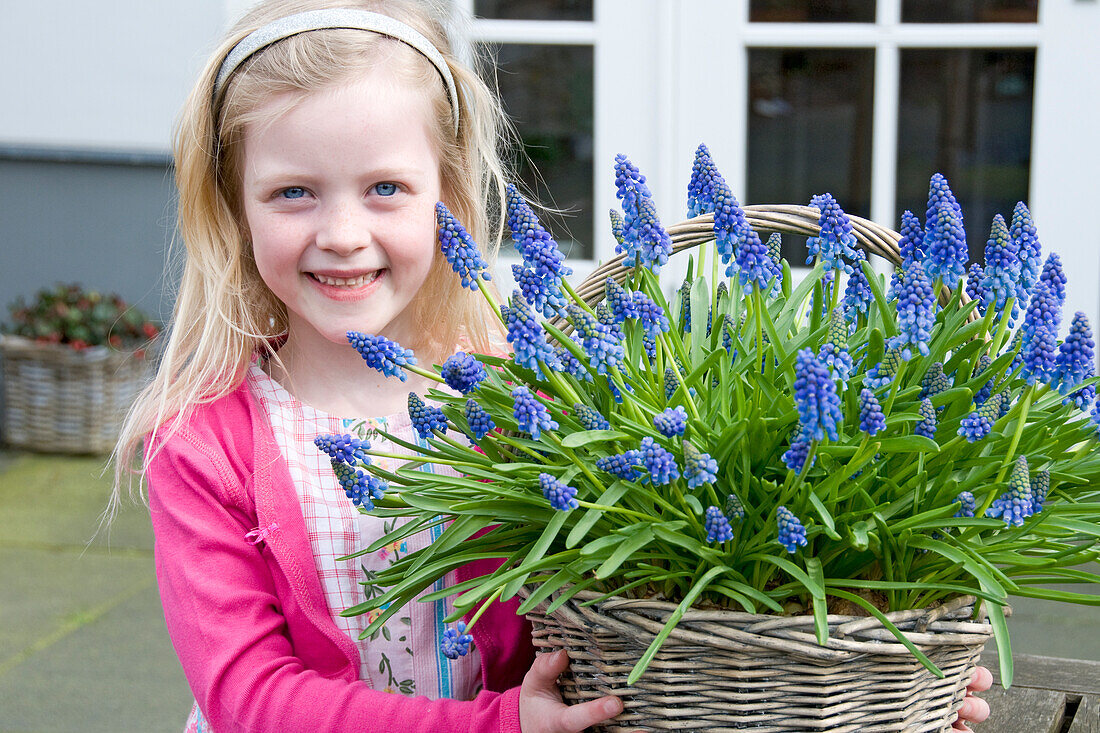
x: 625, y: 550
x: 587, y: 437
x: 549, y: 534
x: 821, y: 621
x: 610, y: 497
x: 858, y: 600
x: 907, y: 444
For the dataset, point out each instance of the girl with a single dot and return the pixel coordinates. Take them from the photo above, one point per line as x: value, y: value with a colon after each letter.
x: 309, y: 159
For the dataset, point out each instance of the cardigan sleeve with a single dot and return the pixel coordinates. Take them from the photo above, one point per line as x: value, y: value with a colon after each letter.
x: 227, y: 624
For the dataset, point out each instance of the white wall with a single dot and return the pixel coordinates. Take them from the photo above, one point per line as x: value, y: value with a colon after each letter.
x: 100, y: 75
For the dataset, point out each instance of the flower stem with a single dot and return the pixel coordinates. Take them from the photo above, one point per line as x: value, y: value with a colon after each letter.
x: 1002, y: 328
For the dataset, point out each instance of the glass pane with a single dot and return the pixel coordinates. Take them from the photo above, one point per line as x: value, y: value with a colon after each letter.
x: 547, y: 91
x: 966, y: 113
x: 534, y: 9
x: 812, y: 11
x: 970, y: 11
x: 810, y: 115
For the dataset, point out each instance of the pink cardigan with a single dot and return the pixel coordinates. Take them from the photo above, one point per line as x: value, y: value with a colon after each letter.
x: 249, y: 621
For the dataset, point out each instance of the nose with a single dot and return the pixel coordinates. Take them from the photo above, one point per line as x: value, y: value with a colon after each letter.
x: 345, y: 227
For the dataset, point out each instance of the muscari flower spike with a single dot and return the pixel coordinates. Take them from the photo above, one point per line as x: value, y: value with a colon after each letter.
x: 462, y: 372
x: 590, y: 418
x: 911, y: 244
x: 624, y: 465
x: 857, y: 293
x: 607, y: 318
x: 652, y: 316
x: 543, y: 293
x: 834, y: 352
x: 755, y: 266
x: 530, y: 348
x: 658, y: 462
x: 672, y: 422
x: 531, y: 415
x: 1014, y: 506
x: 382, y: 354
x: 883, y: 373
x: 460, y: 249
x: 560, y: 496
x: 816, y: 398
x: 599, y: 342
x: 835, y: 244
x: 935, y: 381
x: 734, y: 509
x: 701, y: 186
x: 699, y: 467
x: 539, y: 250
x: 730, y: 225
x: 480, y: 421
x: 967, y: 504
x: 795, y: 455
x: 455, y: 642
x: 1022, y: 230
x: 974, y: 288
x: 617, y: 225
x: 916, y: 313
x: 792, y: 534
x: 945, y: 250
x: 984, y: 362
x: 343, y: 448
x: 717, y: 526
x: 1095, y: 415
x: 775, y: 248
x: 926, y: 427
x: 871, y: 418
x: 644, y: 237
x: 425, y: 418
x: 1055, y: 277
x: 358, y: 486
x: 1076, y: 360
x: 979, y: 423
x: 620, y: 301
x: 1002, y: 270
x: 1038, y: 345
x: 1040, y: 487
x: 685, y: 306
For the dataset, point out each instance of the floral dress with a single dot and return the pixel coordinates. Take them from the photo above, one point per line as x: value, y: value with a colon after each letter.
x: 403, y: 657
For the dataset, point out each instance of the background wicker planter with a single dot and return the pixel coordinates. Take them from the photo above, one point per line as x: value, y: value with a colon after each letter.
x: 60, y: 400
x: 728, y: 670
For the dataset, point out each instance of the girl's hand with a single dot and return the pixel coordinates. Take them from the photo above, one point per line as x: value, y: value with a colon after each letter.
x: 541, y: 709
x: 975, y: 709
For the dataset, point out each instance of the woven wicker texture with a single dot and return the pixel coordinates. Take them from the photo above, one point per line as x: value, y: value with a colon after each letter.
x: 729, y: 670
x: 60, y: 400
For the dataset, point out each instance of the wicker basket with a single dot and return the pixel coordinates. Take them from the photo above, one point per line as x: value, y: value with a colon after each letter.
x: 60, y: 400
x: 728, y: 670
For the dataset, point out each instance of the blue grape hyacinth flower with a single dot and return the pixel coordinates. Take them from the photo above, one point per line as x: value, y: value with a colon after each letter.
x: 590, y: 418
x: 543, y: 293
x: 916, y: 310
x: 1055, y: 278
x: 1002, y: 270
x: 530, y: 348
x: 650, y: 315
x: 717, y: 526
x: 455, y: 642
x: 935, y: 381
x: 835, y: 244
x: 360, y: 487
x: 604, y: 350
x: 462, y: 372
x: 1014, y: 506
x: 730, y: 226
x: 1040, y: 487
x: 617, y: 227
x: 538, y: 249
x: 560, y: 495
x: 984, y: 362
x: 672, y: 422
x: 883, y: 373
x: 834, y: 352
x: 625, y: 465
x: 701, y: 186
x: 1024, y: 235
x: 857, y: 293
x: 425, y: 418
x: 699, y: 467
x: 343, y: 448
x: 1038, y: 345
x: 459, y: 248
x: 945, y: 253
x: 816, y: 398
x: 570, y: 364
x: 911, y: 244
x: 480, y: 421
x: 531, y: 415
x: 382, y: 354
x: 979, y: 423
x: 620, y: 301
x: 871, y: 418
x: 795, y: 456
x: 775, y: 249
x: 660, y: 465
x: 975, y: 290
x: 967, y: 504
x: 1076, y: 360
x: 755, y: 267
x: 654, y: 244
x: 926, y: 426
x: 792, y: 534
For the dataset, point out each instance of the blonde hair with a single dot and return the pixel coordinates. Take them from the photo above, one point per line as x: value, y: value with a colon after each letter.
x: 224, y: 313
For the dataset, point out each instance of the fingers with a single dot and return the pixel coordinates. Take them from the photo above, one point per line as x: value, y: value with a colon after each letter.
x: 576, y: 718
x: 541, y: 707
x: 981, y: 681
x: 973, y: 710
x: 546, y: 668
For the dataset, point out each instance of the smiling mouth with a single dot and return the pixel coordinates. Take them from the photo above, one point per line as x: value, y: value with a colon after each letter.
x: 346, y: 282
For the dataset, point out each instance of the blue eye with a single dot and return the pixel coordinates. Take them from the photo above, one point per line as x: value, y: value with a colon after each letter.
x: 386, y: 189
x: 294, y: 192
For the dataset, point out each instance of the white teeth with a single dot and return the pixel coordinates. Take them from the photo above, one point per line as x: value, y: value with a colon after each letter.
x: 346, y: 282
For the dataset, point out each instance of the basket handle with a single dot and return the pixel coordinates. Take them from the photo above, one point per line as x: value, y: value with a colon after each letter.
x: 783, y: 218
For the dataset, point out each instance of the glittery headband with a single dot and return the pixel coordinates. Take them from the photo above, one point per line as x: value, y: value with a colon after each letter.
x: 313, y: 20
